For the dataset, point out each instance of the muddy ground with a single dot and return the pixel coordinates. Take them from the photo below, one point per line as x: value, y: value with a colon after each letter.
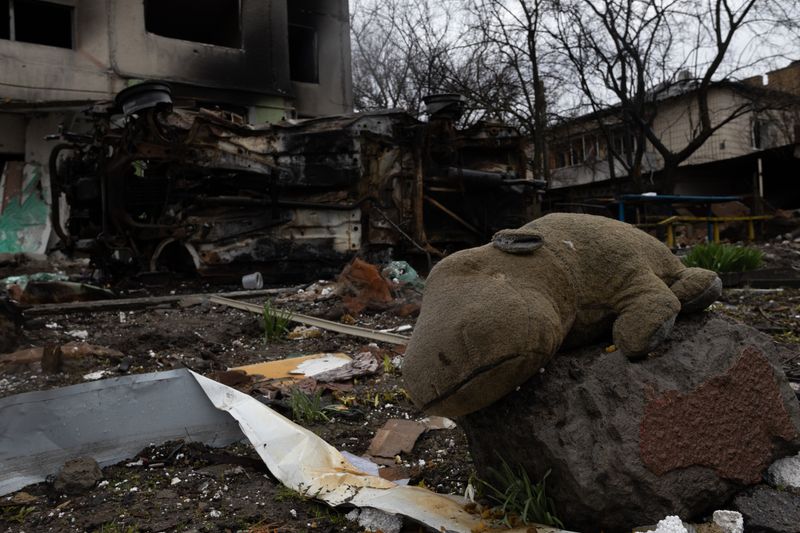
x: 188, y: 487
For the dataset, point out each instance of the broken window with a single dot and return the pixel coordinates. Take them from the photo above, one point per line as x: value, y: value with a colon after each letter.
x: 5, y: 158
x: 303, y: 42
x: 215, y: 22
x: 563, y: 156
x: 303, y: 54
x: 765, y: 133
x: 5, y: 20
x: 37, y: 22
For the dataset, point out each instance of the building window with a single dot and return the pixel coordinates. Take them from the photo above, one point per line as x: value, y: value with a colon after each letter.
x: 565, y: 155
x: 303, y: 57
x: 758, y: 133
x: 303, y: 42
x: 37, y: 22
x: 216, y: 22
x: 5, y: 19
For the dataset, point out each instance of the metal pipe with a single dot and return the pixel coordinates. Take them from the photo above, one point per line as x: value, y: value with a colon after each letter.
x: 452, y: 215
x: 492, y: 178
x: 259, y: 202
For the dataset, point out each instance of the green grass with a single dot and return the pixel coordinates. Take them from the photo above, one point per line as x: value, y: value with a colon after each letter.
x: 724, y: 257
x: 308, y: 408
x: 276, y: 322
x: 285, y: 494
x: 16, y: 513
x: 114, y: 527
x: 518, y: 498
x: 388, y: 366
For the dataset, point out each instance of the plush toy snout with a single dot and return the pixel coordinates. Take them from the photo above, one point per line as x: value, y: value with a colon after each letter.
x: 486, y: 339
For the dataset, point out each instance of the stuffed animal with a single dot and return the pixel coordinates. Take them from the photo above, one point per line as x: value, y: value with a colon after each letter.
x: 493, y: 316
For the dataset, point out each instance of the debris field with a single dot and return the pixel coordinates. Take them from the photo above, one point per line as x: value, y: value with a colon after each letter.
x: 186, y: 486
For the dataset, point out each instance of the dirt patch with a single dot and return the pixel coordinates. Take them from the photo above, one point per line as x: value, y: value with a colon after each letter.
x: 224, y: 489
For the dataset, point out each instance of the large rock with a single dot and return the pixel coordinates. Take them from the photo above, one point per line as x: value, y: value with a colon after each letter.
x: 628, y: 443
x: 767, y: 510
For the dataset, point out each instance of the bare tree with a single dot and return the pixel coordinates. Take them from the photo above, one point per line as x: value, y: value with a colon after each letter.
x: 511, y: 33
x: 402, y: 51
x: 486, y: 50
x: 627, y: 55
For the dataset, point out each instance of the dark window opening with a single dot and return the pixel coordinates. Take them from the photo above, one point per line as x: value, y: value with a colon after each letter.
x: 215, y: 22
x: 5, y: 20
x: 303, y: 54
x: 37, y: 22
x: 5, y: 158
x: 758, y: 133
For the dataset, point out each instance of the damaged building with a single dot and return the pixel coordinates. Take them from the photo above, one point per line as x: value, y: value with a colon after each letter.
x: 243, y: 155
x: 754, y: 155
x: 265, y: 60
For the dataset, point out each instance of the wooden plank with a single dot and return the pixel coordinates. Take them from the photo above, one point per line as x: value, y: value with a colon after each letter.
x: 321, y: 323
x: 139, y: 303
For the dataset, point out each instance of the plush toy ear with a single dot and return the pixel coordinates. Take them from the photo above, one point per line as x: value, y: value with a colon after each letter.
x: 517, y: 241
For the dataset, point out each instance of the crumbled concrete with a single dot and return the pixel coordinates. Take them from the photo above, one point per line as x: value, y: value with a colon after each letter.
x: 671, y: 524
x: 785, y: 473
x: 729, y: 521
x: 375, y: 520
x: 78, y: 476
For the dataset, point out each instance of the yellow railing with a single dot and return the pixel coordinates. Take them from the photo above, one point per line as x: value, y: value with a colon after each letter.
x: 714, y: 222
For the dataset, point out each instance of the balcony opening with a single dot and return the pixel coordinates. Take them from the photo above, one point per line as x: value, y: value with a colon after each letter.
x: 37, y: 22
x: 216, y: 22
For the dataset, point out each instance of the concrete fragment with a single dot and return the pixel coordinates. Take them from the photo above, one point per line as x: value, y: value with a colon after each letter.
x: 671, y: 524
x: 785, y: 473
x: 363, y: 364
x: 80, y: 334
x: 78, y: 476
x: 375, y: 520
x: 729, y: 521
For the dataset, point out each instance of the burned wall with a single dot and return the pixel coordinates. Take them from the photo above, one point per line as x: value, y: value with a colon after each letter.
x: 238, y: 48
x: 320, y: 30
x: 34, y: 72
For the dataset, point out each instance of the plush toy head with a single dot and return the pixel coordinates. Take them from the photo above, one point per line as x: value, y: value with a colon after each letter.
x: 492, y: 316
x: 481, y: 332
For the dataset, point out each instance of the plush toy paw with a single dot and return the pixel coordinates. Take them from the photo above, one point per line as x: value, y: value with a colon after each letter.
x: 697, y: 288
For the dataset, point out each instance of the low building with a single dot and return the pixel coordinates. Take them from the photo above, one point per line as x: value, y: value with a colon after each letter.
x: 754, y: 154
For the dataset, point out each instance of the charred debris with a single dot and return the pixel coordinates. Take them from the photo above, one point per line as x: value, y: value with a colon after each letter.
x: 160, y: 185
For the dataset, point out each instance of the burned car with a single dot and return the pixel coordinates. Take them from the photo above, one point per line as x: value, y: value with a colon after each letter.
x: 158, y: 186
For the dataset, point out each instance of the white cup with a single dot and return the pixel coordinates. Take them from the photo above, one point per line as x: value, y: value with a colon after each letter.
x: 253, y: 281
